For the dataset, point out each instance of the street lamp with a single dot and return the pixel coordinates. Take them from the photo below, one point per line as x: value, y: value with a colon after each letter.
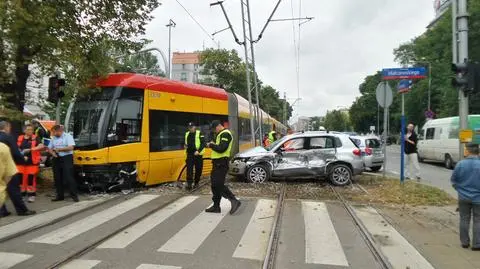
x: 429, y: 80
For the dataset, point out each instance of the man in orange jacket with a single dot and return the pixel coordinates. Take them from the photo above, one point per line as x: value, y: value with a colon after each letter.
x: 30, y: 145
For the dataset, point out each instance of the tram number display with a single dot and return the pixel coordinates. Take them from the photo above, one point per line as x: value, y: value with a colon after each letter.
x: 155, y: 94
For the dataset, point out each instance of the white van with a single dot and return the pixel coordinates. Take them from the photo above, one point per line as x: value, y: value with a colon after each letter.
x: 438, y: 139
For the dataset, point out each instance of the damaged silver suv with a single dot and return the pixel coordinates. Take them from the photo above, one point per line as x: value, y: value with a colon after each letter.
x: 301, y: 155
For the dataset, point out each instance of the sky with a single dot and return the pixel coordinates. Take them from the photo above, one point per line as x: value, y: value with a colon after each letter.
x: 346, y: 41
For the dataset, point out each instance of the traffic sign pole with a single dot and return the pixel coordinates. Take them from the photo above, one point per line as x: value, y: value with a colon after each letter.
x: 402, y: 143
x: 385, y: 131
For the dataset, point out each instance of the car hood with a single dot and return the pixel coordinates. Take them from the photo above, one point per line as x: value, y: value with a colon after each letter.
x: 253, y: 152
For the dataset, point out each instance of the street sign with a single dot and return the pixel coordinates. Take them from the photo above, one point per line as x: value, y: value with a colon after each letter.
x: 372, y: 128
x: 429, y: 114
x: 384, y: 94
x: 465, y: 136
x: 404, y: 86
x: 404, y: 73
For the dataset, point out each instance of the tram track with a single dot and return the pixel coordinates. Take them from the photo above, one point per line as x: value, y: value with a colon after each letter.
x: 114, y: 232
x: 270, y: 257
x: 370, y: 242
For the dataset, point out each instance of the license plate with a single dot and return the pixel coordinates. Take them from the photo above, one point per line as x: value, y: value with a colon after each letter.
x: 377, y: 152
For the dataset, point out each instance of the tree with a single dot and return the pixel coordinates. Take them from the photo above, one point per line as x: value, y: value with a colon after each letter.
x: 72, y: 37
x: 337, y: 120
x: 143, y: 63
x: 224, y: 68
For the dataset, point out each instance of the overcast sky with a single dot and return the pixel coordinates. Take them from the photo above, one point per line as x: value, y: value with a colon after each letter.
x: 346, y: 41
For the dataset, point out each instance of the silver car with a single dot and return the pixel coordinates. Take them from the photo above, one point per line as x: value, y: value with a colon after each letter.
x: 301, y: 155
x: 371, y: 147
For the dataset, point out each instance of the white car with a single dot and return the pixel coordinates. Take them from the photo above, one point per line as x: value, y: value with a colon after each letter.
x: 372, y: 154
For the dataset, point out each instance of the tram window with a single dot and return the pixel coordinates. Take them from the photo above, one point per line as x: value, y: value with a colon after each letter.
x: 126, y: 119
x: 168, y: 128
x: 244, y: 130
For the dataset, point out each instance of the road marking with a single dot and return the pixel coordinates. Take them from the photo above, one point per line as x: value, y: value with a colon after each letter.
x: 188, y: 239
x: 322, y: 245
x: 254, y: 242
x: 156, y: 266
x: 44, y: 218
x: 131, y: 234
x: 81, y: 264
x: 399, y: 252
x: 8, y: 260
x: 72, y: 230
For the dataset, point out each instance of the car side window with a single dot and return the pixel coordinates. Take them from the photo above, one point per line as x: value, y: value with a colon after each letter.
x: 323, y: 142
x: 430, y: 134
x: 294, y: 144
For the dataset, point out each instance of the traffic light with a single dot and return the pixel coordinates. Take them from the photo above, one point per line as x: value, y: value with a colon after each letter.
x: 54, y: 89
x: 467, y: 76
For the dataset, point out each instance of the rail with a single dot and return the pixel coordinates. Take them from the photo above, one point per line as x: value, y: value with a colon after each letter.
x: 270, y: 257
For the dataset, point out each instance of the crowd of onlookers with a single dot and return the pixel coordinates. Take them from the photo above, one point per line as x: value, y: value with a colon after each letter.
x: 22, y: 157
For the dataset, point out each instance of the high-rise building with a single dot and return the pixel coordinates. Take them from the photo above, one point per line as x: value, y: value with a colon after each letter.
x: 440, y: 7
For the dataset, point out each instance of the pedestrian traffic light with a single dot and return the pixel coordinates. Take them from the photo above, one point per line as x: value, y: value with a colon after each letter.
x: 54, y: 89
x: 461, y: 75
x: 467, y: 76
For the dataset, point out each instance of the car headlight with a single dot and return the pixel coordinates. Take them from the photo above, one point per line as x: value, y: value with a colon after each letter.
x: 241, y: 159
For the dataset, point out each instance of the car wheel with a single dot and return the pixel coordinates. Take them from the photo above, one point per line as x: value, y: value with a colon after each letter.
x: 340, y: 175
x: 376, y: 168
x: 420, y: 159
x: 258, y: 174
x: 448, y: 161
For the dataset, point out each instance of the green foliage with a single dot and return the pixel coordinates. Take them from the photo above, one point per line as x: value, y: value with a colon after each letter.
x: 434, y: 47
x: 337, y: 120
x: 143, y: 63
x: 72, y: 37
x: 224, y: 68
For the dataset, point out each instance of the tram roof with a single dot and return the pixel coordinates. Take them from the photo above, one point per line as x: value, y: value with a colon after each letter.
x: 141, y: 81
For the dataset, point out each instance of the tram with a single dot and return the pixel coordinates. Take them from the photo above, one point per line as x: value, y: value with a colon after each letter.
x: 138, y: 122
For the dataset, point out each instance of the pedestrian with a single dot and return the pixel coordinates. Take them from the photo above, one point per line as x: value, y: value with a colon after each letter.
x: 466, y: 181
x: 266, y: 141
x: 30, y: 145
x: 61, y: 148
x: 411, y: 140
x: 7, y: 171
x: 39, y: 132
x: 13, y: 186
x: 221, y: 151
x: 272, y: 135
x: 194, y: 149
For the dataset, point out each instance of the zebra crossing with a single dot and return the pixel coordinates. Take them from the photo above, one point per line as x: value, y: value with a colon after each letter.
x: 313, y: 234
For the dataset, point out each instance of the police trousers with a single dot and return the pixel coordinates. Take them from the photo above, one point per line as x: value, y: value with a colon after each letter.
x: 217, y: 178
x: 197, y: 163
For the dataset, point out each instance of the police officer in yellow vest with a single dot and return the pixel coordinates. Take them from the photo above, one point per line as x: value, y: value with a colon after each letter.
x: 194, y: 148
x: 221, y: 150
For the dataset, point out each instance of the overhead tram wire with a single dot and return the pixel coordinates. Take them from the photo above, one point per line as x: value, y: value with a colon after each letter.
x: 296, y: 50
x: 198, y: 23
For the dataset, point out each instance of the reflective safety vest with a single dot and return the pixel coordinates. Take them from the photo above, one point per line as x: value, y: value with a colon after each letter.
x: 271, y: 136
x: 197, y: 141
x: 35, y: 153
x: 226, y: 153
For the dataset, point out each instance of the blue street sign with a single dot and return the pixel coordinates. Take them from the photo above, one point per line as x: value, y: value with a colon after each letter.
x: 404, y: 86
x: 404, y: 73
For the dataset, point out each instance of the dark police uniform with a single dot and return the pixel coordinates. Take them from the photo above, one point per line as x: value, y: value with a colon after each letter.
x: 221, y: 151
x: 194, y: 142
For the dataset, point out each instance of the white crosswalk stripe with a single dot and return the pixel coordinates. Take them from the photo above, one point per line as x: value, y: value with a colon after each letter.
x: 44, y: 218
x: 194, y: 233
x: 126, y: 237
x: 399, y: 252
x: 156, y: 266
x: 81, y: 264
x: 248, y: 241
x: 254, y: 242
x: 70, y: 231
x: 8, y: 260
x: 322, y: 245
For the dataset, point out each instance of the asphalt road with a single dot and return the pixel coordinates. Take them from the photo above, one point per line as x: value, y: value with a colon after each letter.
x: 433, y: 174
x: 313, y: 234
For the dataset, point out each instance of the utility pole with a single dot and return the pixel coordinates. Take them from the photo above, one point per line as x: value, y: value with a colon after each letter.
x: 285, y: 108
x: 460, y: 15
x: 429, y: 84
x: 170, y: 24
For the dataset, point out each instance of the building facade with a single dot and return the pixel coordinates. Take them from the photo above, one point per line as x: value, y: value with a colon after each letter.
x: 186, y: 67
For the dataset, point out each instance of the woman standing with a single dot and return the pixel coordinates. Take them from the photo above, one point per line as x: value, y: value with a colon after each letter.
x: 30, y: 145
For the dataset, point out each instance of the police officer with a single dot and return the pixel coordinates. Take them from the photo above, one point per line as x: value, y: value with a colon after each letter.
x: 194, y: 148
x: 221, y: 150
x: 272, y: 136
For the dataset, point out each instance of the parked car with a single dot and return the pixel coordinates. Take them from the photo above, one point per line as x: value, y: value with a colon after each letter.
x: 438, y: 139
x: 372, y: 154
x: 301, y: 155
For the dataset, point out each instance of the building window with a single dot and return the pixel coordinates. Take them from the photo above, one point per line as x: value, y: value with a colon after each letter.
x: 195, y: 78
x: 183, y: 66
x: 195, y: 66
x: 167, y: 128
x: 183, y: 77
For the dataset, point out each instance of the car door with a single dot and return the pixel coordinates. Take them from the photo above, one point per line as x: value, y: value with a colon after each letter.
x: 291, y: 159
x: 323, y: 146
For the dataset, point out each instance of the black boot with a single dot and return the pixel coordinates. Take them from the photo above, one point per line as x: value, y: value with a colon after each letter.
x: 195, y: 185
x: 213, y: 209
x: 189, y: 186
x: 235, y: 205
